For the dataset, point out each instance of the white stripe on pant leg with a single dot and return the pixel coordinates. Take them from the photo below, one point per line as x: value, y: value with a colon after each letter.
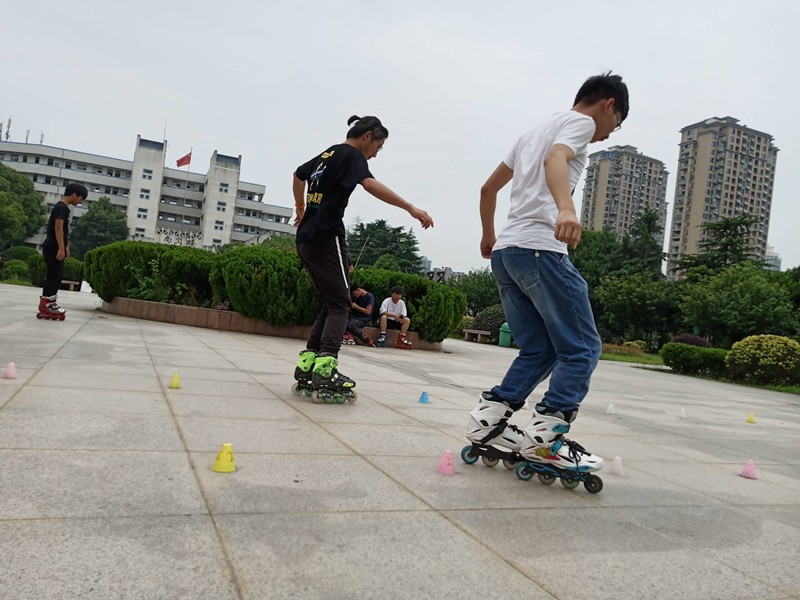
x: 341, y: 264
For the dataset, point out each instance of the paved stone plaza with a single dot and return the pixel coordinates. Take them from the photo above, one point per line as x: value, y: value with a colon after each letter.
x: 106, y: 489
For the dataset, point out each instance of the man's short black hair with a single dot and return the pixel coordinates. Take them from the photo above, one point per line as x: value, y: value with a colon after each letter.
x: 603, y: 87
x: 397, y: 290
x: 76, y: 188
x: 355, y: 287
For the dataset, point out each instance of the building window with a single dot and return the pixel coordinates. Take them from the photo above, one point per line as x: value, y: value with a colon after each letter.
x: 68, y: 164
x: 81, y: 167
x: 218, y: 225
x: 48, y: 179
x: 144, y: 194
x: 35, y: 178
x: 49, y: 162
x: 139, y: 232
x: 147, y: 173
x: 141, y: 213
x: 222, y: 206
x: 15, y: 158
x: 223, y: 187
x: 216, y: 242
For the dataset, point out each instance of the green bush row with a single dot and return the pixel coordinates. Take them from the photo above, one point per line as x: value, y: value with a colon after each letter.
x: 760, y: 359
x: 259, y: 282
x: 32, y: 268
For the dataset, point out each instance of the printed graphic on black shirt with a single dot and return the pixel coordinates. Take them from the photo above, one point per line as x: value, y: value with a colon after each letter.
x: 331, y: 176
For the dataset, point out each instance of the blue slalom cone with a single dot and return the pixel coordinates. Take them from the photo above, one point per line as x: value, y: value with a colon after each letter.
x: 423, y: 399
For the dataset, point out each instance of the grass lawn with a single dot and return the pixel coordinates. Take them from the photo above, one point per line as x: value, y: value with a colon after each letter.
x: 641, y: 359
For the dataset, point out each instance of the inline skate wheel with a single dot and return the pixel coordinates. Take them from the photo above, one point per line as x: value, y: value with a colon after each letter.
x: 509, y: 464
x: 593, y: 484
x: 523, y: 472
x: 296, y: 390
x: 468, y: 456
x: 339, y: 398
x: 352, y: 396
x: 570, y: 484
x: 40, y: 316
x: 490, y: 462
x: 546, y: 478
x: 316, y: 398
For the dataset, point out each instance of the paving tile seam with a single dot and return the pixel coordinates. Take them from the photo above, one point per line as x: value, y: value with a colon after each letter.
x: 47, y: 362
x: 233, y: 576
x: 677, y: 538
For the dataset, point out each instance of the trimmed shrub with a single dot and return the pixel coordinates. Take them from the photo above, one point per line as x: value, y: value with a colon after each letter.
x: 691, y: 339
x: 467, y: 322
x: 114, y: 269
x: 641, y: 344
x: 190, y: 268
x: 765, y: 359
x: 265, y: 283
x: 37, y: 269
x: 694, y: 360
x: 73, y: 269
x: 626, y: 349
x: 22, y: 253
x: 15, y: 269
x: 491, y: 319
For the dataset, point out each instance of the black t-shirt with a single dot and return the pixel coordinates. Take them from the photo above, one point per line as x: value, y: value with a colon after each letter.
x: 332, y: 176
x: 365, y: 301
x: 60, y: 211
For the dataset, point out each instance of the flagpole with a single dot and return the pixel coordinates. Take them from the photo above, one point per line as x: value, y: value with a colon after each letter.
x: 186, y: 184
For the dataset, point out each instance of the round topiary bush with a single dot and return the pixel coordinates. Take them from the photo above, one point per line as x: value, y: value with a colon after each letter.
x: 765, y: 359
x: 490, y: 319
x: 15, y: 269
x: 691, y: 339
x: 467, y: 322
x: 641, y: 344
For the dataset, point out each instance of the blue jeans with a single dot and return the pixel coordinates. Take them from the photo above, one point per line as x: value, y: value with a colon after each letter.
x: 546, y: 303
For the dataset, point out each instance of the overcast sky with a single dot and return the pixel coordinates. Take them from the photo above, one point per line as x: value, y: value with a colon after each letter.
x: 455, y: 82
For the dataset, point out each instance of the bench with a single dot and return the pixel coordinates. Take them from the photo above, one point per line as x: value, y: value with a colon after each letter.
x: 71, y: 284
x: 476, y: 335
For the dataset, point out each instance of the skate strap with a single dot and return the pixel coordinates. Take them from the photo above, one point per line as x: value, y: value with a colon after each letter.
x: 501, y: 427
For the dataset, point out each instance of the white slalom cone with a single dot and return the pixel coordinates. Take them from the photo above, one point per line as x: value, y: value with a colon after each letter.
x: 610, y: 409
x: 615, y: 468
x: 683, y: 414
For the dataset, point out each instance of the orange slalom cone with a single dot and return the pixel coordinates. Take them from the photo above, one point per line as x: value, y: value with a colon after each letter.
x: 749, y: 471
x: 10, y: 371
x: 224, y: 461
x: 446, y: 464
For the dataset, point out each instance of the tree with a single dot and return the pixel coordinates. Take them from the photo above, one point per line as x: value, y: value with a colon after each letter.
x: 641, y: 249
x: 22, y: 209
x: 725, y: 242
x: 378, y: 238
x: 598, y: 255
x: 102, y: 224
x: 639, y: 307
x: 387, y: 262
x: 739, y: 301
x: 480, y: 288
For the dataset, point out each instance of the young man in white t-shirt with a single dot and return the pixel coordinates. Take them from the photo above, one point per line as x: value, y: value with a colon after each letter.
x: 545, y: 299
x: 394, y: 316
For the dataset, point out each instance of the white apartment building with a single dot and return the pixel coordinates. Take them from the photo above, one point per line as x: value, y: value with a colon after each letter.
x: 166, y: 205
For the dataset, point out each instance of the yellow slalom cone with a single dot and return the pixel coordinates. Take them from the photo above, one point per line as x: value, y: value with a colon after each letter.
x: 751, y: 418
x: 224, y: 461
x: 175, y: 384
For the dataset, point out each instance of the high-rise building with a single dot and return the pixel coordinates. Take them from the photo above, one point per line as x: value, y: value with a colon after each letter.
x: 165, y: 205
x: 772, y: 260
x: 725, y: 170
x: 620, y: 183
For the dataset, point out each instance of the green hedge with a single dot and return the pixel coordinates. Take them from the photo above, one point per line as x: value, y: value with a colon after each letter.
x: 37, y: 268
x: 765, y: 359
x: 694, y: 360
x: 22, y: 253
x: 491, y: 319
x: 259, y: 282
x: 15, y: 269
x: 73, y: 269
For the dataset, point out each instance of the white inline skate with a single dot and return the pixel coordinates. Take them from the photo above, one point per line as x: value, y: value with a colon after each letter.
x: 549, y: 455
x: 493, y: 438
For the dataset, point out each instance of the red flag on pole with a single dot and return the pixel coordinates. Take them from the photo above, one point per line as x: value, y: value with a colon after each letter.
x: 185, y: 160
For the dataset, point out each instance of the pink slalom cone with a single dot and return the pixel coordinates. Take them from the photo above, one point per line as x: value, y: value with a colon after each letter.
x: 446, y: 464
x: 10, y: 372
x: 749, y: 471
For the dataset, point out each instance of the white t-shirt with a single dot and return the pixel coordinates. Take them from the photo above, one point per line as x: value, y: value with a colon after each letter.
x: 532, y: 215
x: 387, y: 306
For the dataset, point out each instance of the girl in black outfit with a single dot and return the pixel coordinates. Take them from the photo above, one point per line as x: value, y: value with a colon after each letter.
x: 331, y: 177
